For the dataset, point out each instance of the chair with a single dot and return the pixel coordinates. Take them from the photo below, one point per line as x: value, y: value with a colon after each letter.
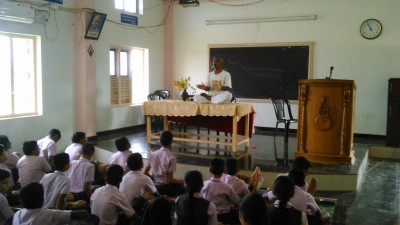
x: 163, y: 93
x: 158, y: 120
x: 279, y: 107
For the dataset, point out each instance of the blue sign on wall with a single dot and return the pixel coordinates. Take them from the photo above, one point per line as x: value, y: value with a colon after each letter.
x: 129, y: 19
x: 56, y: 1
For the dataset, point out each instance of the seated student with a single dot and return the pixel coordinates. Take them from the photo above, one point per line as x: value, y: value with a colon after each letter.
x: 120, y: 157
x: 107, y: 201
x: 6, y: 213
x: 135, y: 184
x: 12, y: 158
x: 282, y: 212
x: 81, y: 172
x: 74, y: 150
x: 239, y: 186
x: 31, y: 167
x: 162, y: 164
x: 3, y: 158
x: 221, y: 194
x: 253, y: 210
x: 301, y: 163
x: 191, y: 208
x: 31, y: 197
x: 57, y: 185
x: 158, y: 212
x: 47, y: 145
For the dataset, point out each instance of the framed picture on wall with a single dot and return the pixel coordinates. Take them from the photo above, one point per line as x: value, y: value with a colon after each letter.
x: 95, y: 25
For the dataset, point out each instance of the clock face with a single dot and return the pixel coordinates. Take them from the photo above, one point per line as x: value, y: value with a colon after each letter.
x: 371, y: 28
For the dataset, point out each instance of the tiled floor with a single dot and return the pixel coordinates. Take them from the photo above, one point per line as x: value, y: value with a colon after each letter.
x: 374, y: 204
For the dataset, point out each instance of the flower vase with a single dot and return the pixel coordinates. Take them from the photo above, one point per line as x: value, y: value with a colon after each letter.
x: 184, y: 95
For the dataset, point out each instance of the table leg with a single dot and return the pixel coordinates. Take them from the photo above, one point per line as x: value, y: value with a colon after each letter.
x: 148, y: 129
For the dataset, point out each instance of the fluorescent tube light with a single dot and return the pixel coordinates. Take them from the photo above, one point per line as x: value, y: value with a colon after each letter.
x: 260, y: 20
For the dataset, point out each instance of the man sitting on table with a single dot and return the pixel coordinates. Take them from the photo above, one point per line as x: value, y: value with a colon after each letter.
x: 218, y: 85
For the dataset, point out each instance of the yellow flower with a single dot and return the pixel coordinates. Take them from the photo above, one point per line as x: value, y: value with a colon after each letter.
x: 183, y: 83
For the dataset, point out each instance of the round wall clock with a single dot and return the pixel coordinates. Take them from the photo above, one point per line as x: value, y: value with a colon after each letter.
x: 371, y: 28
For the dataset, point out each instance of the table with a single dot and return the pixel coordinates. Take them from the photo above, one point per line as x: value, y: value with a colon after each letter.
x: 235, y: 118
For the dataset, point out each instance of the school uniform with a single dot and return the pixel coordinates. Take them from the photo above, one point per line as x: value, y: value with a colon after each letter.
x: 11, y: 161
x: 134, y: 184
x: 31, y: 168
x: 238, y: 185
x: 293, y: 215
x: 204, y: 212
x: 55, y: 184
x: 5, y: 210
x: 223, y: 196
x: 74, y: 151
x: 120, y: 158
x: 80, y: 172
x: 107, y: 202
x: 47, y: 147
x: 41, y: 216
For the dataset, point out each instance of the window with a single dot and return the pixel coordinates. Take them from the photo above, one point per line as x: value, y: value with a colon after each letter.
x: 134, y: 6
x: 128, y: 75
x: 18, y: 78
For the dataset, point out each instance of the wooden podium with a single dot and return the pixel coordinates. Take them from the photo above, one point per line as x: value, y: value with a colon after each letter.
x: 326, y: 120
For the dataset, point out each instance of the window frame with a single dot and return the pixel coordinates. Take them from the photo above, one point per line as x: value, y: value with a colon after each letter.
x: 137, y: 3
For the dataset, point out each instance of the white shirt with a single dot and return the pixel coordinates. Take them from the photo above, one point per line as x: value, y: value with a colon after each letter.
x: 31, y: 168
x: 11, y: 161
x: 120, y: 159
x: 161, y: 162
x: 5, y: 210
x: 80, y: 172
x: 221, y: 194
x: 211, y: 211
x: 47, y: 147
x: 107, y: 202
x: 54, y: 184
x: 134, y: 184
x: 41, y: 216
x: 223, y: 79
x: 74, y: 151
x: 238, y: 185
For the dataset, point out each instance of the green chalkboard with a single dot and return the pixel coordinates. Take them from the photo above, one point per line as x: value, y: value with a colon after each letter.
x: 266, y: 71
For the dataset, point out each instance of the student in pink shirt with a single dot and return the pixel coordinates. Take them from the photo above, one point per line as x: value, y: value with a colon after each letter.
x: 162, y: 164
x: 121, y: 156
x: 221, y: 194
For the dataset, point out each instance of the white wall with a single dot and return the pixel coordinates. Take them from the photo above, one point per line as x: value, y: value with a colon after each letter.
x: 337, y: 40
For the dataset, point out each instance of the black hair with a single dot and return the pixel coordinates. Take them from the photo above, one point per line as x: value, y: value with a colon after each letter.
x: 114, y: 174
x: 254, y: 210
x: 158, y: 212
x: 301, y: 163
x: 2, y: 149
x: 135, y: 161
x: 297, y: 176
x: 77, y: 136
x: 166, y: 137
x: 4, y: 174
x: 218, y: 57
x: 193, y: 183
x: 4, y: 140
x: 217, y: 166
x: 283, y: 190
x: 88, y: 149
x: 31, y: 196
x: 231, y: 166
x: 29, y: 147
x: 121, y: 143
x: 60, y: 160
x: 54, y: 131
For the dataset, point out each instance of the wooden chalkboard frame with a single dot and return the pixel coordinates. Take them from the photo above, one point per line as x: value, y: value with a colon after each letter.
x: 266, y: 46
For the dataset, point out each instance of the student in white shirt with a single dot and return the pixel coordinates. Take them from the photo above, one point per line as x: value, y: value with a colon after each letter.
x: 107, y: 201
x: 12, y: 157
x: 123, y: 145
x: 74, y: 150
x: 31, y: 167
x: 47, y: 145
x: 6, y: 213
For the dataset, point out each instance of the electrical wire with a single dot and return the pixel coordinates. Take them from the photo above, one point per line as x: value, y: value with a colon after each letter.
x: 58, y: 30
x: 224, y: 4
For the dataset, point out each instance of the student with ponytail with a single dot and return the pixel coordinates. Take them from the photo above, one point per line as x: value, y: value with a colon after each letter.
x: 282, y: 212
x: 191, y: 208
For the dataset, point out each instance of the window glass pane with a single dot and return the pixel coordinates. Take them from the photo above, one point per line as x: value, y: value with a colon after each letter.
x: 5, y: 76
x: 24, y: 76
x: 140, y: 7
x: 112, y: 62
x: 130, y: 5
x: 119, y: 4
x: 123, y: 61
